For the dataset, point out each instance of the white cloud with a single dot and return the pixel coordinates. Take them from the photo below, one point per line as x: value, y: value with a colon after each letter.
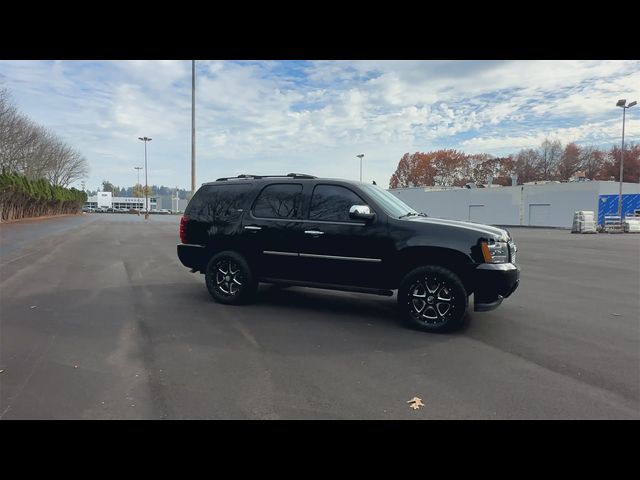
x: 268, y: 116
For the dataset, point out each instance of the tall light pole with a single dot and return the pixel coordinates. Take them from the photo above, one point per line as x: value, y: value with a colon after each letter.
x: 146, y: 178
x: 138, y: 169
x: 360, y: 157
x: 622, y: 103
x: 193, y: 127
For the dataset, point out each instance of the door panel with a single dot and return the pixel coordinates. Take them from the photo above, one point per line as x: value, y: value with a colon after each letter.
x: 271, y: 231
x: 273, y: 246
x: 337, y: 249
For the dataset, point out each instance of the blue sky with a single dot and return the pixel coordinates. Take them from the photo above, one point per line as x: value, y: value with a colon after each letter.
x: 315, y: 116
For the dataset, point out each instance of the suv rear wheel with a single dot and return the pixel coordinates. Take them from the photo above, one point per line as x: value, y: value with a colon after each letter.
x: 229, y: 278
x: 432, y: 299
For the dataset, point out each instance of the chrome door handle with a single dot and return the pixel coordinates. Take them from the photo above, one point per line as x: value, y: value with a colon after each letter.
x: 313, y: 232
x: 252, y: 227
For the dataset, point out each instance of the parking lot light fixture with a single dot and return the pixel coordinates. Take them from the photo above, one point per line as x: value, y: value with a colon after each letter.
x: 360, y: 157
x: 146, y: 178
x: 138, y: 169
x: 622, y: 103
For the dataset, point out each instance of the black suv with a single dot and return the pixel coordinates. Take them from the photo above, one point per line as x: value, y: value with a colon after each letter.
x: 301, y: 230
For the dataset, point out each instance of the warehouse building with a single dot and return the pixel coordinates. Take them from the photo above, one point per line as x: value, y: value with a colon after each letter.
x: 106, y: 200
x: 543, y: 204
x: 170, y: 202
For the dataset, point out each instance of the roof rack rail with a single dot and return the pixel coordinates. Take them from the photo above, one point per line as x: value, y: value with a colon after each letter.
x: 288, y: 175
x: 300, y: 175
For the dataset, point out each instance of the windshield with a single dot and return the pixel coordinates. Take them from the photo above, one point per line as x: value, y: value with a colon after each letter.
x: 391, y: 204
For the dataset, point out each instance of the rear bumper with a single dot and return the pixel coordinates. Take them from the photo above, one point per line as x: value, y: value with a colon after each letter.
x: 193, y: 256
x: 494, y: 282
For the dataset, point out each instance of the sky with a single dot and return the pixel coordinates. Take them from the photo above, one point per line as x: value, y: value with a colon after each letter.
x: 277, y: 117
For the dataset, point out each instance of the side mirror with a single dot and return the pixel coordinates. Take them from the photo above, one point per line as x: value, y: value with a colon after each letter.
x: 361, y: 212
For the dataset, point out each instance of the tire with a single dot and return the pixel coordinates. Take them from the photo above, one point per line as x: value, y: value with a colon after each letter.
x: 229, y: 278
x: 419, y: 295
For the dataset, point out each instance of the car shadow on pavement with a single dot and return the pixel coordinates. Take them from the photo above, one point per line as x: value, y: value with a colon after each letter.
x: 342, y: 304
x: 328, y: 301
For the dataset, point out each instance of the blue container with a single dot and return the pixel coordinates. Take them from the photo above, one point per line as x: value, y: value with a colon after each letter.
x: 608, y: 205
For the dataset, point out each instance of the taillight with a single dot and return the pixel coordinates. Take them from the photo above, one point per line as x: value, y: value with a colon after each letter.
x: 183, y: 229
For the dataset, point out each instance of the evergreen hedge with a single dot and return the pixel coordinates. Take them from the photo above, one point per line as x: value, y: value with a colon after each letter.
x: 21, y: 197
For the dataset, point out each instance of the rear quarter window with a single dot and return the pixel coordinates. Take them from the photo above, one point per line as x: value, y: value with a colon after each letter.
x: 219, y: 203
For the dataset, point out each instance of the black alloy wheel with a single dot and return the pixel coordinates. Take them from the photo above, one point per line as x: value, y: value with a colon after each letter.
x: 433, y: 299
x: 229, y: 278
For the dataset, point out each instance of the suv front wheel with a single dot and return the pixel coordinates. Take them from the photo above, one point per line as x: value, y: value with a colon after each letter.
x: 229, y: 278
x: 432, y: 299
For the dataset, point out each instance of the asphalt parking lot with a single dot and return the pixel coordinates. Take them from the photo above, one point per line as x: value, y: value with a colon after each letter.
x: 99, y: 320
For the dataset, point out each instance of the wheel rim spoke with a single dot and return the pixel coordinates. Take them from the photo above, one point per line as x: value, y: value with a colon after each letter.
x: 444, y: 310
x: 444, y: 295
x: 434, y: 289
x: 419, y: 305
x: 430, y: 313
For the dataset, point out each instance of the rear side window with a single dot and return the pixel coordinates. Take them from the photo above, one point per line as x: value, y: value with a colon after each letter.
x: 218, y: 203
x: 332, y: 203
x: 278, y: 201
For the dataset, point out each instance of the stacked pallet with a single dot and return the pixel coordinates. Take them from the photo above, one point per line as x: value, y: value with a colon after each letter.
x: 584, y: 222
x: 613, y: 224
x: 632, y: 225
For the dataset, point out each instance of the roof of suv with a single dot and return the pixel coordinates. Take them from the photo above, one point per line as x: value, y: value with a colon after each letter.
x: 290, y: 176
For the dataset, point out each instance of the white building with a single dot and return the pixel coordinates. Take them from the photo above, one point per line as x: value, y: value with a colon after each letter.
x: 106, y: 200
x: 548, y: 204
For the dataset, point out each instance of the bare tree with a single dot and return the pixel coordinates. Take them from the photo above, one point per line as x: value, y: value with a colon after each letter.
x: 527, y: 164
x: 34, y: 151
x: 592, y: 161
x: 549, y: 158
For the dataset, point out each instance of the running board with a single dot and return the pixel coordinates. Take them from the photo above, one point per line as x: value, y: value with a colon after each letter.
x: 329, y: 286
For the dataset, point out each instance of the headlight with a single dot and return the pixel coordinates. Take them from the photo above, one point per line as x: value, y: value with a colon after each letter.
x: 512, y: 252
x: 495, y: 252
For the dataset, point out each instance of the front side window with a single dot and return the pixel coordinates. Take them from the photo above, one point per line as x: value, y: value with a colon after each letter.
x: 332, y: 203
x: 389, y: 202
x: 278, y: 201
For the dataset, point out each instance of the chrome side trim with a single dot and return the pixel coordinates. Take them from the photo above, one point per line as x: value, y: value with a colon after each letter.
x: 335, y: 257
x: 306, y: 220
x: 284, y: 254
x: 497, y: 266
x: 329, y: 222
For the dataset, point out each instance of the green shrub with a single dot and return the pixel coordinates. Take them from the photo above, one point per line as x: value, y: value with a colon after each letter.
x: 22, y: 198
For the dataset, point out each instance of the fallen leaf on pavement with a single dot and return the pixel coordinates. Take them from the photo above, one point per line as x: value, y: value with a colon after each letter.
x: 415, y: 403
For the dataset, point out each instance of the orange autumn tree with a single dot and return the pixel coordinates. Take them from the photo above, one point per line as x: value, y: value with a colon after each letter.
x: 440, y: 167
x: 550, y: 161
x: 445, y: 167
